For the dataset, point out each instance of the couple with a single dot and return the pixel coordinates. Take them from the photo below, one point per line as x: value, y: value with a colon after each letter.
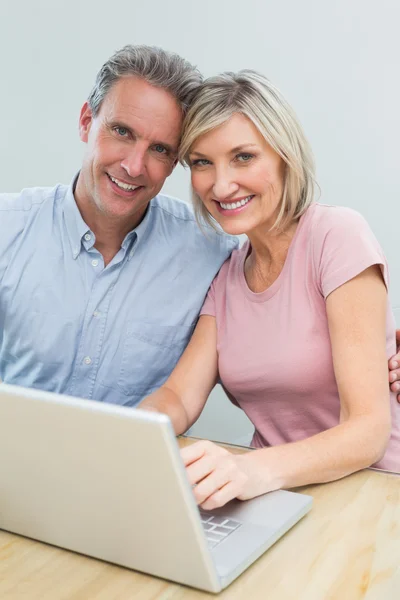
x: 102, y: 281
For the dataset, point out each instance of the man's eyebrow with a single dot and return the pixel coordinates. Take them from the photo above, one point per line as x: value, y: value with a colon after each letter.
x: 119, y: 123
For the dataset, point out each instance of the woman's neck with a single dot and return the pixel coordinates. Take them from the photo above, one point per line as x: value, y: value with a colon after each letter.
x: 267, y: 257
x: 271, y: 246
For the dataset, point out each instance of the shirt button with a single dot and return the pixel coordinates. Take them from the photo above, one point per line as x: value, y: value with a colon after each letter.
x: 96, y: 313
x: 131, y: 254
x: 88, y: 237
x: 87, y: 360
x: 95, y: 262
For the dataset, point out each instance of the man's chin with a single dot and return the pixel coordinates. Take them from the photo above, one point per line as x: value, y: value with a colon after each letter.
x: 123, y: 211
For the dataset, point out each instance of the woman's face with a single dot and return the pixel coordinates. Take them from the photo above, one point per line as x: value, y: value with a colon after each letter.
x: 237, y: 175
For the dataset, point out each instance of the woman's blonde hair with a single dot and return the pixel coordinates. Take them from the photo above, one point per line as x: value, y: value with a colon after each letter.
x: 253, y: 95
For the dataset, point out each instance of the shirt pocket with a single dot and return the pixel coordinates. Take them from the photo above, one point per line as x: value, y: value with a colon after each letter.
x: 149, y: 355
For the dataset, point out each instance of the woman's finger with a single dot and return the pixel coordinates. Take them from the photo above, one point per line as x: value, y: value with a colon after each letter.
x: 200, y: 468
x: 193, y: 452
x: 210, y: 485
x: 221, y: 497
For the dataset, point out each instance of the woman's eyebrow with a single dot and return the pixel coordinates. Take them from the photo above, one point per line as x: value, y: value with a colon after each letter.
x: 243, y: 147
x: 234, y: 150
x: 197, y: 154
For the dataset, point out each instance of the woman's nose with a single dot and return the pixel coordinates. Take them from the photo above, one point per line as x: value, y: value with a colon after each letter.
x: 224, y: 185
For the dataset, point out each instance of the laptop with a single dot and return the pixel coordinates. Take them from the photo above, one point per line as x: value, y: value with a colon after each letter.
x: 107, y: 481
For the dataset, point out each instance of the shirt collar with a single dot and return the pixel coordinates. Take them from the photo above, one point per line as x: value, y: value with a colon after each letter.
x: 79, y: 233
x: 76, y: 226
x: 135, y: 236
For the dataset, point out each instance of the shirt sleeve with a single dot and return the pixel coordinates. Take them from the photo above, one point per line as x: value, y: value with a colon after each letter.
x: 344, y: 246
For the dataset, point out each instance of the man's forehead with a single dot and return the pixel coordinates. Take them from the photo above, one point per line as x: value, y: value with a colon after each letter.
x: 137, y: 95
x: 137, y: 104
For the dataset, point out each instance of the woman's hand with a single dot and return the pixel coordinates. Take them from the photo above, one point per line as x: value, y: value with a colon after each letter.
x: 218, y: 476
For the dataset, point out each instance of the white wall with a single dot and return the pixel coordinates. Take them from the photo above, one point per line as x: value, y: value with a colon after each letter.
x: 337, y: 62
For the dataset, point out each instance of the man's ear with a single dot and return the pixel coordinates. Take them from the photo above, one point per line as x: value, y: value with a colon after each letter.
x: 85, y: 122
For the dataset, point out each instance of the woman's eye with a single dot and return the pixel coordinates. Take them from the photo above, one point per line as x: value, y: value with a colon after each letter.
x: 122, y: 131
x: 200, y: 162
x: 244, y: 157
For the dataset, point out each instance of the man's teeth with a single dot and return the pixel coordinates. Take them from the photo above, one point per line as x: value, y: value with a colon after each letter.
x: 122, y: 185
x: 233, y: 205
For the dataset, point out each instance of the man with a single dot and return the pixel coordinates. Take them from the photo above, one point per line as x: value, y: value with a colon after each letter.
x: 101, y: 282
x: 394, y: 368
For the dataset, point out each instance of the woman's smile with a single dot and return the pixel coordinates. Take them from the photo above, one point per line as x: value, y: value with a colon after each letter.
x: 233, y: 207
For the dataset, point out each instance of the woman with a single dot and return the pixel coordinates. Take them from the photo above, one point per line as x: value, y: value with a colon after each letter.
x: 297, y: 323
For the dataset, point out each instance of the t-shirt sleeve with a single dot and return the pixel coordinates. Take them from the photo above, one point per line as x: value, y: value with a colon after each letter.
x: 344, y: 246
x: 208, y: 307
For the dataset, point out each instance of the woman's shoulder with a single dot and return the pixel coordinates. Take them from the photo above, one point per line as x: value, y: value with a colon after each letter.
x: 342, y: 245
x: 330, y: 216
x: 328, y: 224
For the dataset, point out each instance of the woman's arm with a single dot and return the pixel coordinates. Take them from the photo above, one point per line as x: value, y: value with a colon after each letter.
x: 356, y: 314
x: 184, y: 394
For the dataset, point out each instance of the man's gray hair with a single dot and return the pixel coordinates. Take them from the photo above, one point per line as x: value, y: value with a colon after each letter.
x: 158, y: 67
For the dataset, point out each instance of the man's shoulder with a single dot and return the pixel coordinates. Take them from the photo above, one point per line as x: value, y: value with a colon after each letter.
x: 28, y: 199
x: 173, y: 208
x: 178, y: 214
x: 19, y: 210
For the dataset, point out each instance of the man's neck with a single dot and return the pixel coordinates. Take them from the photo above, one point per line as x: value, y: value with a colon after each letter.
x: 109, y: 231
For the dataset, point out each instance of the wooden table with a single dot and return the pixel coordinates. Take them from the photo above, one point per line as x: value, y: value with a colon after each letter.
x: 346, y: 548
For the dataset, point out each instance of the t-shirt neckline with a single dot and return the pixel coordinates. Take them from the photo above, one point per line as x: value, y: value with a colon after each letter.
x: 274, y: 287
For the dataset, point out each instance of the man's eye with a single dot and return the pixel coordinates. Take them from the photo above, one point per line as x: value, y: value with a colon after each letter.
x: 122, y: 131
x: 160, y: 149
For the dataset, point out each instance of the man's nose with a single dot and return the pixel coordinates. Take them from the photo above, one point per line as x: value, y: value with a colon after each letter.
x: 134, y: 163
x: 224, y: 184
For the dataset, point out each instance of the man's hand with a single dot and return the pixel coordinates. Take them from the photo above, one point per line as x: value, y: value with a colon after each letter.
x: 394, y: 368
x: 218, y: 476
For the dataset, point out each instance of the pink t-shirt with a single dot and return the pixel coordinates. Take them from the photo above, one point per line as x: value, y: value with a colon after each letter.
x: 274, y: 352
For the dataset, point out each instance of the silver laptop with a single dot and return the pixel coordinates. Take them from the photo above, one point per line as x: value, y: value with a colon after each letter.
x: 108, y: 481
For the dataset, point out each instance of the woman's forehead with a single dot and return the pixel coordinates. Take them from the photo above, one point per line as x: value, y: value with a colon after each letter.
x: 237, y: 131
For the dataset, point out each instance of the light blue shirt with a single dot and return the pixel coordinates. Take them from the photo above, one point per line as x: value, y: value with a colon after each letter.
x: 114, y: 334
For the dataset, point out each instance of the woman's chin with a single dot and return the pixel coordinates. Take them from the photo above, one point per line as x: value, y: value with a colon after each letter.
x: 233, y: 228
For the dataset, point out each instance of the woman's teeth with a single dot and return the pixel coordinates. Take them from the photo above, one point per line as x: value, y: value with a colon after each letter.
x: 233, y: 205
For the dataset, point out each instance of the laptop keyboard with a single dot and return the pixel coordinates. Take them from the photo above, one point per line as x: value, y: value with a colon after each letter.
x: 218, y: 528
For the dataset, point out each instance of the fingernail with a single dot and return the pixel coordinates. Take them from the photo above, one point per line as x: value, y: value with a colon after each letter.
x: 395, y: 364
x: 396, y: 386
x: 393, y: 376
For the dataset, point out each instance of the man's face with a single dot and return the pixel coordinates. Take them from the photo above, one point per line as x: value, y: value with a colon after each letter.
x: 132, y: 144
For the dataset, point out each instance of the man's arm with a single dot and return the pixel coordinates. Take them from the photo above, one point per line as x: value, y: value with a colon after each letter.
x: 184, y: 394
x: 394, y: 368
